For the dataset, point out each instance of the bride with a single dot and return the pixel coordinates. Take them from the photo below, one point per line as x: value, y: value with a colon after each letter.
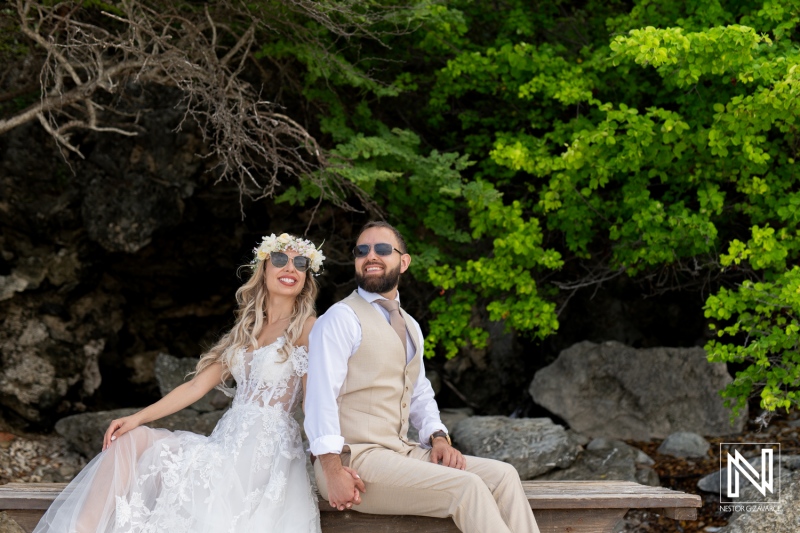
x: 249, y: 475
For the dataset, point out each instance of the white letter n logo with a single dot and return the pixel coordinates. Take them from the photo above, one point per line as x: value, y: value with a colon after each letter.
x: 737, y: 464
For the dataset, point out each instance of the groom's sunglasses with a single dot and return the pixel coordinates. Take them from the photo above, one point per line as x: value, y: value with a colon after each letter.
x: 382, y: 248
x: 280, y: 260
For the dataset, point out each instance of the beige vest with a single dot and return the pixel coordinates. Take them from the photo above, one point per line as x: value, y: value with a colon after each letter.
x: 375, y: 399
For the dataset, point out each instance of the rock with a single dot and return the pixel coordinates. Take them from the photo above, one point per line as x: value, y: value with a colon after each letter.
x: 46, y: 358
x: 712, y: 482
x: 171, y: 371
x: 136, y: 187
x: 785, y: 519
x: 84, y: 432
x: 606, y: 459
x: 435, y: 379
x: 449, y: 416
x: 452, y: 416
x: 684, y: 444
x: 532, y: 445
x: 8, y: 525
x: 639, y: 456
x: 489, y: 378
x: 616, y: 391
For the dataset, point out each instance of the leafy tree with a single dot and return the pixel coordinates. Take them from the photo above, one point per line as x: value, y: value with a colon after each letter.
x: 596, y: 140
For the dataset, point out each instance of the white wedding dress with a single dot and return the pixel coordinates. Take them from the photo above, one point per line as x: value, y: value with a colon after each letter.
x: 249, y: 475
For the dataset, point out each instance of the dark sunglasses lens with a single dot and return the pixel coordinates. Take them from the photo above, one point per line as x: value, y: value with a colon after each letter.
x: 278, y: 259
x: 361, y: 250
x: 383, y: 248
x: 301, y: 263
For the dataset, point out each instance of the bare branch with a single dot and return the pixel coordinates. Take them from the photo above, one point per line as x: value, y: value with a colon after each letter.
x: 251, y: 140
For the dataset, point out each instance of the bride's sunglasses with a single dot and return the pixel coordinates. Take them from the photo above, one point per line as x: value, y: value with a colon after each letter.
x: 382, y: 248
x: 280, y: 260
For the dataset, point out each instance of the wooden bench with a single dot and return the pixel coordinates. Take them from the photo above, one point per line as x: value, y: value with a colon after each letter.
x: 559, y: 507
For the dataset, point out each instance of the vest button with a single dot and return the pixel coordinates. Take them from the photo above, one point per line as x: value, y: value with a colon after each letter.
x: 404, y: 404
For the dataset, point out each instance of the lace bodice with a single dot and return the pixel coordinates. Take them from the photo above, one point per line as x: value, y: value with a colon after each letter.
x: 263, y: 378
x: 248, y: 475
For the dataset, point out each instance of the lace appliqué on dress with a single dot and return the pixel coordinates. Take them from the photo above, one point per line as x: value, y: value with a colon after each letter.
x: 247, y: 470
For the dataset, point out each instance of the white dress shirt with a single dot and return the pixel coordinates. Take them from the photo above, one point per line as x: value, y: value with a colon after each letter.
x: 334, y: 338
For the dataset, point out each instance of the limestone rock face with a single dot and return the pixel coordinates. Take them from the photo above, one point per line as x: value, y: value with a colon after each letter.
x: 86, y: 296
x: 533, y: 446
x: 616, y: 391
x: 48, y: 349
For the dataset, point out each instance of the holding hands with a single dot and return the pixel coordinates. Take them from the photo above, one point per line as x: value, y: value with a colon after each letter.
x: 344, y: 484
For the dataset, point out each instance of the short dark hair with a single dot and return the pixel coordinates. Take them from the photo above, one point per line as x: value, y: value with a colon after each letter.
x: 381, y: 224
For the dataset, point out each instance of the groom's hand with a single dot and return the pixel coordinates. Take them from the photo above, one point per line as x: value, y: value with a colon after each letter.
x: 445, y: 454
x: 344, y: 484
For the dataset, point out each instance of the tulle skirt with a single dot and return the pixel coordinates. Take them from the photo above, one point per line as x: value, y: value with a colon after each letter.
x: 159, y: 481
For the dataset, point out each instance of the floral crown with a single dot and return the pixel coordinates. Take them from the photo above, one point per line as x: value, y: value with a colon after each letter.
x: 284, y: 242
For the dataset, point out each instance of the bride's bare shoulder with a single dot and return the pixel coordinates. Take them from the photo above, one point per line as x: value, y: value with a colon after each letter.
x: 306, y: 330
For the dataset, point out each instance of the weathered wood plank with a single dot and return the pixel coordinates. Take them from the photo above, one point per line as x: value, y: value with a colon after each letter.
x: 678, y: 513
x: 559, y: 506
x: 604, y: 494
x: 355, y: 522
x: 549, y: 521
x: 578, y: 520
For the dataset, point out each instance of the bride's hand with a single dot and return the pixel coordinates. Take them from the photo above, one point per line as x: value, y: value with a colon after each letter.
x: 357, y: 478
x: 117, y: 428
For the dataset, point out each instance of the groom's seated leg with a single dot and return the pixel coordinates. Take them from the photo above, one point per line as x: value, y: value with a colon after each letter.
x: 485, y: 497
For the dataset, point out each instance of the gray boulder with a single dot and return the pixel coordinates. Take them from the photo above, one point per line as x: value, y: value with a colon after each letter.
x: 606, y: 459
x: 713, y: 481
x: 684, y: 444
x: 616, y: 391
x: 449, y: 416
x: 783, y: 517
x: 84, y: 432
x: 452, y: 416
x: 533, y: 446
x: 171, y: 371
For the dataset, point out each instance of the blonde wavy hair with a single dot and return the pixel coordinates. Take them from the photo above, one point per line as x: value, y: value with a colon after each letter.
x: 253, y: 300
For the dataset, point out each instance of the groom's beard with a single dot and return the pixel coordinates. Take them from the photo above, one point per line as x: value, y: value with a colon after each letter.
x: 379, y: 284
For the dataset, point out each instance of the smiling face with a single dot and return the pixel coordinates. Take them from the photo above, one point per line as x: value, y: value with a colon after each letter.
x: 286, y: 280
x: 380, y: 273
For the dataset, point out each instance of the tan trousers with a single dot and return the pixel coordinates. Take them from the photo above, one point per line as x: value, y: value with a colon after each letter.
x: 487, y: 497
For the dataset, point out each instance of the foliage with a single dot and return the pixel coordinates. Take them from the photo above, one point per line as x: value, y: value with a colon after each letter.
x: 656, y: 142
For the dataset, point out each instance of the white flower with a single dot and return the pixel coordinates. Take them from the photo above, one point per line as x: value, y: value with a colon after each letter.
x: 285, y: 238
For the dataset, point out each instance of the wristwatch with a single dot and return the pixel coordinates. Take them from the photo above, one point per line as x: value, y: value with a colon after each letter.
x: 440, y: 433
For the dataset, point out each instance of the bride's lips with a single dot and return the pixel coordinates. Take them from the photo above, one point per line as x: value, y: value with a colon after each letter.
x: 289, y: 281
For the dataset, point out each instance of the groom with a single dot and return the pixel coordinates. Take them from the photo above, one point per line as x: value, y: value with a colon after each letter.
x: 366, y: 384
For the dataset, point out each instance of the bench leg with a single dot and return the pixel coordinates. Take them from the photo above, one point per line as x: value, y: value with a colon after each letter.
x: 578, y: 520
x: 355, y: 522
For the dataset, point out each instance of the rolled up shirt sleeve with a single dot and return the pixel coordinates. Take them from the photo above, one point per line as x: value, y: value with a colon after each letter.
x: 424, y: 412
x: 333, y: 339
